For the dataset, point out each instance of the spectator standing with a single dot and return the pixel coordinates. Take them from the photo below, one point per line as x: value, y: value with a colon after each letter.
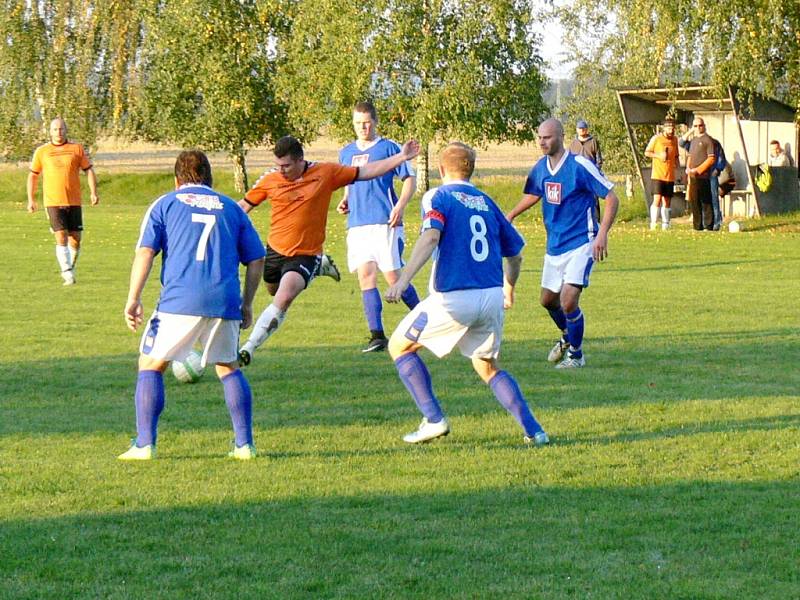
x: 663, y: 150
x: 698, y: 172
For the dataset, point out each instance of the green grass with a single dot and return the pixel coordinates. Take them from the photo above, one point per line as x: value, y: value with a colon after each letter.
x: 673, y: 470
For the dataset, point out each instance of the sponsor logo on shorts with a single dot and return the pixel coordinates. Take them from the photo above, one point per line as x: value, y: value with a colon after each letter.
x: 207, y: 201
x: 552, y: 192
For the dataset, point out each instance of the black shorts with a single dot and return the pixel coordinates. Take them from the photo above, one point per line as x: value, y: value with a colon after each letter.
x: 700, y: 190
x: 663, y: 188
x: 65, y: 217
x: 276, y: 264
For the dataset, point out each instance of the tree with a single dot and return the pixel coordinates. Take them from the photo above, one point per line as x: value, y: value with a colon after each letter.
x: 436, y: 69
x: 753, y: 44
x: 208, y: 77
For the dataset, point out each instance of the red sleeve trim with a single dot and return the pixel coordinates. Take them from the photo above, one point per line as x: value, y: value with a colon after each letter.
x: 435, y: 214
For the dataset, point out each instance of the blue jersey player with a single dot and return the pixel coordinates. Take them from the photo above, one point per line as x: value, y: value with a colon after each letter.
x: 476, y: 265
x: 568, y: 184
x: 202, y: 237
x: 375, y: 235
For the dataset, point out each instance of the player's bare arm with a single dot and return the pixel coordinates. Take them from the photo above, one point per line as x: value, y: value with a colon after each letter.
x: 423, y: 249
x: 343, y: 208
x: 375, y: 169
x: 511, y: 269
x: 528, y: 200
x: 600, y: 243
x: 91, y: 178
x: 406, y: 193
x: 245, y: 205
x: 252, y: 279
x: 33, y: 180
x: 142, y: 263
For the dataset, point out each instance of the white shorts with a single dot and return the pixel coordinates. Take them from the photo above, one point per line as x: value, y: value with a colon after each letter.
x: 469, y: 319
x: 168, y: 336
x: 380, y: 244
x: 571, y: 267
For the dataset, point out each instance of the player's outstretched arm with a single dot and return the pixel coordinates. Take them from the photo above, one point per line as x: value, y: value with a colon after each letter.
x: 600, y: 244
x: 375, y: 169
x: 252, y: 277
x: 423, y: 249
x: 91, y: 177
x: 142, y: 263
x: 527, y: 201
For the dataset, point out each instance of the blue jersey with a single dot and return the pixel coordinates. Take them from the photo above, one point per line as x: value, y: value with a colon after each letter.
x: 202, y: 237
x: 475, y: 237
x: 568, y: 197
x: 371, y: 201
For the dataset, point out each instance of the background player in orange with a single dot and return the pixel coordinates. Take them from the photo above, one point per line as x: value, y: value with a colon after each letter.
x: 59, y: 162
x: 300, y: 193
x: 663, y: 149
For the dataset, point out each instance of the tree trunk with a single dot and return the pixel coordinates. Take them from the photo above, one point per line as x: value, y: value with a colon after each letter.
x: 239, y: 170
x: 423, y: 181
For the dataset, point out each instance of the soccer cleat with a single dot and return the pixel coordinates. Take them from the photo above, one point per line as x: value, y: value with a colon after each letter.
x: 539, y: 439
x: 427, y: 431
x: 244, y: 358
x: 665, y: 226
x: 376, y: 344
x: 69, y: 277
x: 571, y: 362
x: 246, y: 452
x: 653, y: 226
x: 557, y: 351
x: 136, y: 453
x: 328, y: 268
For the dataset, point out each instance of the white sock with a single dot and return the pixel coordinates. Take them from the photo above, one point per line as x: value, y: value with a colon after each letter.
x: 267, y: 324
x: 665, y: 214
x: 653, y: 214
x: 73, y: 258
x: 62, y: 256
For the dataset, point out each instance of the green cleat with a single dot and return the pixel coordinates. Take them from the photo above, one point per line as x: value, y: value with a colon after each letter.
x: 246, y: 452
x: 135, y: 453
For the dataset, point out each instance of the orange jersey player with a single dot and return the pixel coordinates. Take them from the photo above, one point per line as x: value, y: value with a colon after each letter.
x: 300, y: 192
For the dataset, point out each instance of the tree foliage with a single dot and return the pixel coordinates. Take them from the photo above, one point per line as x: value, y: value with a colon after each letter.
x: 752, y: 44
x: 436, y: 69
x: 209, y: 77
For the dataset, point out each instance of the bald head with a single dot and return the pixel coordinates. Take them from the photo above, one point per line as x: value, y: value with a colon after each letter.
x: 551, y: 137
x: 58, y: 131
x: 457, y: 161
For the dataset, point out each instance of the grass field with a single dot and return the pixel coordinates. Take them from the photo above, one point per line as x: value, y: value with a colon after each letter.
x: 673, y: 470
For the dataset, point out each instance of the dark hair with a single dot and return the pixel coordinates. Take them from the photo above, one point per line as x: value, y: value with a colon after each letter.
x: 192, y: 166
x: 288, y: 145
x: 776, y: 142
x: 366, y: 107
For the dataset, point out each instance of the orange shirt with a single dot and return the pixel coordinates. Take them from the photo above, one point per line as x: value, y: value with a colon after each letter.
x: 59, y: 166
x: 664, y: 170
x: 300, y: 207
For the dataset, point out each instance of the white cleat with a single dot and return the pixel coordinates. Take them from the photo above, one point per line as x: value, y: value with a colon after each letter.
x: 69, y: 277
x: 135, y: 453
x: 557, y: 352
x: 539, y: 439
x: 246, y: 452
x: 665, y: 226
x: 427, y: 432
x: 328, y: 268
x: 572, y: 362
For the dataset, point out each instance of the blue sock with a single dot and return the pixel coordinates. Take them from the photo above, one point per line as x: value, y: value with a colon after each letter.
x: 149, y: 401
x: 239, y: 399
x: 558, y: 318
x: 414, y: 375
x: 507, y: 392
x: 373, y: 308
x: 575, y: 332
x: 410, y: 297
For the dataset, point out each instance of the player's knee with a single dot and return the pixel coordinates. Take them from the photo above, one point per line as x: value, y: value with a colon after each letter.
x: 399, y: 345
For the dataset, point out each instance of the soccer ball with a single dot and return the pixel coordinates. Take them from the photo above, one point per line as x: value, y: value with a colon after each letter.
x: 734, y: 227
x: 190, y: 369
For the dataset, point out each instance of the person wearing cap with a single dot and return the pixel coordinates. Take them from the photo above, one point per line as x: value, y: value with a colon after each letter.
x: 663, y: 150
x: 586, y: 145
